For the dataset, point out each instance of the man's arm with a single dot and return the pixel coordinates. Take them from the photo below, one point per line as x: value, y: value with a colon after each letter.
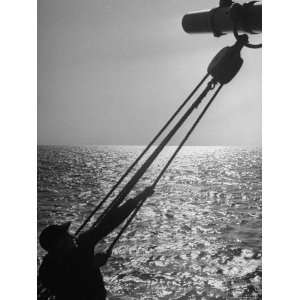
x: 114, y: 218
x: 100, y: 259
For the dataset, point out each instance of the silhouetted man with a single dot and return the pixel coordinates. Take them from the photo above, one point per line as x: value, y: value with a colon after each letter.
x: 70, y: 270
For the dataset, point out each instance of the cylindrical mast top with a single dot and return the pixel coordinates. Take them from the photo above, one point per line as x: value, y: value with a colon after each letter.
x: 219, y: 20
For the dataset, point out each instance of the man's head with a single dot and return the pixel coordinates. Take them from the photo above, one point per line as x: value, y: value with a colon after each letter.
x: 57, y: 237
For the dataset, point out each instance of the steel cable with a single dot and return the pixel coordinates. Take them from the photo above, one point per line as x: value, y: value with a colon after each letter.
x: 141, y: 155
x: 166, y: 166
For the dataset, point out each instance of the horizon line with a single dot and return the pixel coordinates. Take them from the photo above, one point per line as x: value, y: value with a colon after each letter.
x: 144, y: 145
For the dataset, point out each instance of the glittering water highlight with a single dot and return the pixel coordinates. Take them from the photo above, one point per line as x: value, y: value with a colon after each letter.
x: 197, y: 237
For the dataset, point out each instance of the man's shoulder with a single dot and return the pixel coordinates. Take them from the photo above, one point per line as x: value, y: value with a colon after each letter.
x: 46, y: 261
x: 49, y: 263
x: 55, y: 266
x: 53, y: 262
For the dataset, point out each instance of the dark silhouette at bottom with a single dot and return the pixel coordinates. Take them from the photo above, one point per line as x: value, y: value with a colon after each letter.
x: 70, y: 270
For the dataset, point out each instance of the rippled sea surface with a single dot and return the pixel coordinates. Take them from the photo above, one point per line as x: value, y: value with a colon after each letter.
x: 197, y: 237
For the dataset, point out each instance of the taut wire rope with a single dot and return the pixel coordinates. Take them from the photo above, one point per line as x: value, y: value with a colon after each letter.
x: 109, y: 250
x: 88, y: 218
x: 140, y: 172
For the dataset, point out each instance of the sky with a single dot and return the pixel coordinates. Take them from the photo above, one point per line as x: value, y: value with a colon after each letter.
x: 111, y: 72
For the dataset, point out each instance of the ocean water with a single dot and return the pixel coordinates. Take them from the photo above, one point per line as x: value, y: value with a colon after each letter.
x: 197, y: 237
